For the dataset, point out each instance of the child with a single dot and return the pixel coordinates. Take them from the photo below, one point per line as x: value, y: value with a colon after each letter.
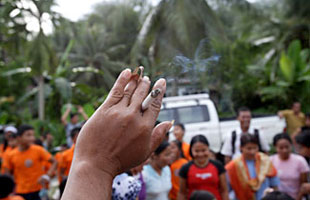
x: 178, y: 160
x: 25, y: 163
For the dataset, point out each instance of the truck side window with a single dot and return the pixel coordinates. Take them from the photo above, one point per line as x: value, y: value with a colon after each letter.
x: 166, y: 115
x: 193, y: 114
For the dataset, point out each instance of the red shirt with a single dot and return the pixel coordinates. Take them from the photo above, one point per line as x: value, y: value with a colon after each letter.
x: 207, y: 178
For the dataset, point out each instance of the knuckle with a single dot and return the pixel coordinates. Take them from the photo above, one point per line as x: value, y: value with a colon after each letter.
x: 156, y: 105
x: 127, y: 94
x: 116, y: 93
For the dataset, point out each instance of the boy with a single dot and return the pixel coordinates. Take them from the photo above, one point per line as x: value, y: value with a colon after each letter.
x: 67, y: 155
x: 26, y: 162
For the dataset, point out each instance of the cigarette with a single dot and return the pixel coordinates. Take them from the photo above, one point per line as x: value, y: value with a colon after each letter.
x: 148, y: 100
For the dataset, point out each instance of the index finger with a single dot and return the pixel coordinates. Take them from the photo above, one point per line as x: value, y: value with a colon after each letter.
x: 117, y: 91
x: 153, y: 110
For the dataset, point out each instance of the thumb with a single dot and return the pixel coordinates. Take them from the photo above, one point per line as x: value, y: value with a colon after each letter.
x: 159, y: 133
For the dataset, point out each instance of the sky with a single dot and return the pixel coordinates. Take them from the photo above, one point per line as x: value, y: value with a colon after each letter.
x: 76, y: 9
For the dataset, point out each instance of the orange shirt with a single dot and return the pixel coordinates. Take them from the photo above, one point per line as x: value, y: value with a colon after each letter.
x: 2, y: 151
x: 4, y: 156
x: 58, y: 158
x: 27, y: 167
x: 13, y: 198
x: 185, y: 149
x: 67, y: 157
x: 175, y: 167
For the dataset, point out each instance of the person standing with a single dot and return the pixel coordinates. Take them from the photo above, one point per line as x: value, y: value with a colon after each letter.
x: 157, y: 175
x: 292, y: 168
x: 202, y: 173
x: 25, y: 163
x: 294, y: 118
x: 67, y: 155
x: 179, y: 131
x: 74, y: 121
x: 178, y: 160
x: 231, y: 146
x: 251, y: 173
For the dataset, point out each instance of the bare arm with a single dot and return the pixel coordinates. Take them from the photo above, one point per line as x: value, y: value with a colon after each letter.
x: 82, y: 112
x: 53, y: 168
x: 182, y: 190
x: 99, y: 153
x: 223, y: 187
x: 227, y: 159
x: 65, y: 115
x: 304, y: 189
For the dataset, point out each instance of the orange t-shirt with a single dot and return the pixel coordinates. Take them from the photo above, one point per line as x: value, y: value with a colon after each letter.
x: 13, y: 198
x: 58, y: 158
x: 175, y: 167
x: 2, y: 151
x: 185, y: 149
x: 27, y: 167
x: 66, y: 160
x: 4, y: 156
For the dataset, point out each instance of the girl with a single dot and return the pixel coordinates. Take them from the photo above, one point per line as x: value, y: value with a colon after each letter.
x: 252, y: 172
x: 156, y: 174
x: 178, y: 160
x: 292, y: 168
x: 202, y: 173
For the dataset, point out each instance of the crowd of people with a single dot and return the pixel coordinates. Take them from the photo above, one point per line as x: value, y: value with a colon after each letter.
x: 173, y: 170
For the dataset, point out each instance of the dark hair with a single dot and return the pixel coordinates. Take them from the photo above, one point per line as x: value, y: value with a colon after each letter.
x: 280, y: 136
x: 303, y: 138
x: 247, y: 138
x: 7, y: 185
x: 38, y: 142
x: 23, y: 128
x: 307, y: 115
x: 201, y: 195
x: 243, y: 109
x: 75, y: 131
x: 161, y: 147
x: 195, y: 139
x: 73, y: 114
x: 277, y: 195
x: 181, y: 126
x: 179, y: 145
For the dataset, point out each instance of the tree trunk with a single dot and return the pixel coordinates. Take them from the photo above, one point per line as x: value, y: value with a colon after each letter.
x: 41, y: 98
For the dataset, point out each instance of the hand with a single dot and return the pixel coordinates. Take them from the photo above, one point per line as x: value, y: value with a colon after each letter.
x: 80, y: 109
x: 119, y: 136
x: 44, y: 180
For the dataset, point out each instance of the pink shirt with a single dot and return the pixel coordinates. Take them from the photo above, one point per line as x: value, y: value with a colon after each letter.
x: 289, y: 172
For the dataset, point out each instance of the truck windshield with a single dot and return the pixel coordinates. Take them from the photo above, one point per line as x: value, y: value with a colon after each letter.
x: 185, y: 115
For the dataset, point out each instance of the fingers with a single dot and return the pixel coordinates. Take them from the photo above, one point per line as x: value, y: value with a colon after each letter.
x: 117, y: 92
x: 159, y: 133
x: 129, y: 90
x: 140, y: 93
x: 153, y: 110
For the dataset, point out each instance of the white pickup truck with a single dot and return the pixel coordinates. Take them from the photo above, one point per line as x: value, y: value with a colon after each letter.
x: 199, y: 115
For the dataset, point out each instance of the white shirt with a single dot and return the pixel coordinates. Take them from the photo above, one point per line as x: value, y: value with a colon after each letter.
x: 227, y: 146
x: 157, y: 186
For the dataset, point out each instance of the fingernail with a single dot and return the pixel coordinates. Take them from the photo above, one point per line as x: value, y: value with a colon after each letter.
x: 146, y: 78
x: 162, y: 82
x: 127, y: 73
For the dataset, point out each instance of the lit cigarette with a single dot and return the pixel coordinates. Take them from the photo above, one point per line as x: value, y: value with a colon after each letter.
x: 148, y: 100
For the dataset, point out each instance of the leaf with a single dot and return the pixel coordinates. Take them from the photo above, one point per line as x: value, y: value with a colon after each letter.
x: 17, y: 71
x: 287, y: 69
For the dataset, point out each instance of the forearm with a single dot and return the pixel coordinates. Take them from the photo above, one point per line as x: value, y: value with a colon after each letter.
x: 65, y: 115
x: 87, y: 182
x: 52, y: 169
x: 84, y: 116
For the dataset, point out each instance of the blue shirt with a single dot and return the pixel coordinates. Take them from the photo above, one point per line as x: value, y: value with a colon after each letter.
x: 157, y: 186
